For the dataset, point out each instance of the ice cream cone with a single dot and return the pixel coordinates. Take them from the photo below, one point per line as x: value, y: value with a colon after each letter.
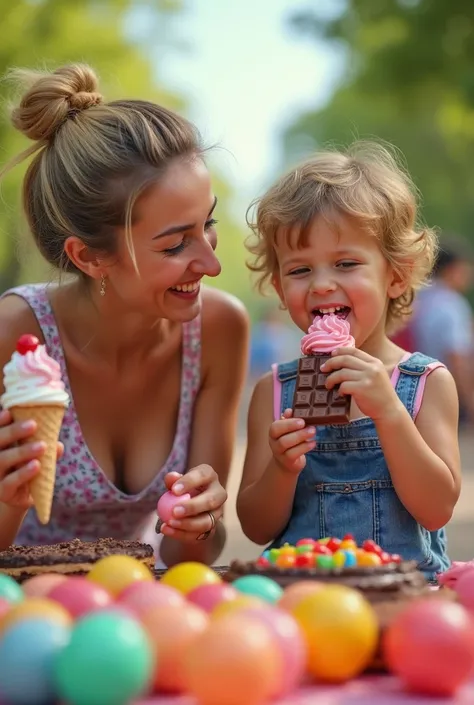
x: 48, y: 418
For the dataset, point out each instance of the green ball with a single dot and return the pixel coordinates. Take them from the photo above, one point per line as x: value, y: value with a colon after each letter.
x: 259, y: 586
x: 108, y: 661
x: 323, y: 561
x: 10, y: 590
x: 304, y: 548
x: 273, y: 554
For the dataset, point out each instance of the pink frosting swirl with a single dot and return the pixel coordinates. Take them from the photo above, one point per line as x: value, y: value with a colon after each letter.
x: 33, y: 378
x: 326, y: 334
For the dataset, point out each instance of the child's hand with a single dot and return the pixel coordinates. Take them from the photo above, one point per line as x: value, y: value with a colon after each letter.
x: 290, y: 439
x: 365, y: 378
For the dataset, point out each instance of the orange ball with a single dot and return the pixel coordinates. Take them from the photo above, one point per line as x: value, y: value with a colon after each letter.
x: 171, y: 629
x: 367, y: 559
x: 296, y: 592
x: 286, y: 560
x: 242, y: 602
x: 33, y: 607
x: 348, y: 544
x: 236, y: 660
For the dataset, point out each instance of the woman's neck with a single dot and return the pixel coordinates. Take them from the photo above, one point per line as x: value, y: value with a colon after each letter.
x: 98, y: 328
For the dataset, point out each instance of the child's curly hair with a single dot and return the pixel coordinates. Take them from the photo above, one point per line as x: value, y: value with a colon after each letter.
x: 365, y: 182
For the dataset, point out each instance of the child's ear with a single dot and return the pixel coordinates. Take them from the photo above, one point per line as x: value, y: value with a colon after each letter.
x: 276, y: 283
x: 398, y: 282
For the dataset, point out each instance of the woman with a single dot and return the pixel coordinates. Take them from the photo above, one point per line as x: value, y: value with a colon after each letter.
x: 118, y: 195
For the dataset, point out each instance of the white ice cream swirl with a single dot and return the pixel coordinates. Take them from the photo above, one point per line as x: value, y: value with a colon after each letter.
x: 33, y: 379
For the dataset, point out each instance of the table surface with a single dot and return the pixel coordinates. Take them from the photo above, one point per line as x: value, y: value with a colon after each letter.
x: 374, y: 690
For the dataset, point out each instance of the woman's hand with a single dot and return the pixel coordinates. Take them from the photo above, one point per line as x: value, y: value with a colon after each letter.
x: 19, y: 462
x: 365, y: 378
x: 196, y: 518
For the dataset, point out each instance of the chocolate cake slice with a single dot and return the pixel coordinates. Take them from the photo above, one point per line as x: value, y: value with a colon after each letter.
x: 69, y: 558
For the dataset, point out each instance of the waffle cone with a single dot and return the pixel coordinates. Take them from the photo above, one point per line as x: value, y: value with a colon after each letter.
x: 48, y: 419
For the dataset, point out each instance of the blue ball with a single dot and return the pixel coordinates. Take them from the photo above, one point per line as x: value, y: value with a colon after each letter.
x: 28, y: 650
x: 259, y: 586
x: 351, y: 559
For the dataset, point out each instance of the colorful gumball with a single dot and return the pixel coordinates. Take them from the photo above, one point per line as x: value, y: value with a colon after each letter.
x: 5, y: 606
x: 40, y: 585
x: 35, y: 607
x: 341, y: 631
x: 108, y: 661
x: 240, y: 603
x: 171, y: 629
x: 142, y: 596
x: 167, y: 502
x: 305, y: 560
x: 430, y: 646
x: 237, y: 656
x: 115, y: 573
x: 190, y: 575
x: 207, y: 597
x: 80, y: 596
x: 295, y: 592
x: 259, y: 586
x: 291, y: 643
x: 464, y: 587
x: 10, y: 590
x: 28, y: 651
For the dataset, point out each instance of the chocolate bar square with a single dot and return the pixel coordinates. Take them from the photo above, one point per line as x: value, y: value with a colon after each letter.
x: 314, y: 403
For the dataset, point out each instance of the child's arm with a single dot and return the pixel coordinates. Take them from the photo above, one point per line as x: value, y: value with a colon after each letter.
x: 272, y: 464
x: 423, y: 458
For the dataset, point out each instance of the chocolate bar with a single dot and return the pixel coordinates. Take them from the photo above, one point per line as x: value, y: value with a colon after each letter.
x: 314, y: 403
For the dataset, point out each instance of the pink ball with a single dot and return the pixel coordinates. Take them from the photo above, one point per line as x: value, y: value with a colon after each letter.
x: 209, y: 596
x: 464, y: 588
x: 291, y: 644
x: 430, y: 646
x: 41, y: 585
x: 4, y: 606
x: 167, y: 503
x: 80, y: 596
x: 141, y: 596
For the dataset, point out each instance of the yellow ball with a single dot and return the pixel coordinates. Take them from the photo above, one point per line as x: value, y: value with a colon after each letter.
x: 35, y: 607
x: 341, y: 632
x: 287, y: 550
x: 187, y: 576
x: 367, y: 559
x: 115, y: 573
x: 339, y: 559
x: 242, y: 602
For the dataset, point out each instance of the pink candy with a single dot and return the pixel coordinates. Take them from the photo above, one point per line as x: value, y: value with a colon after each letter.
x: 167, y: 503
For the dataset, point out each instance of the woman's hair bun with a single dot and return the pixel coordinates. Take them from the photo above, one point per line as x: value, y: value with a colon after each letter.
x: 50, y: 98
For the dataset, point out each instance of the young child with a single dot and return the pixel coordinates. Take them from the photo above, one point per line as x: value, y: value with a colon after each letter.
x: 339, y: 234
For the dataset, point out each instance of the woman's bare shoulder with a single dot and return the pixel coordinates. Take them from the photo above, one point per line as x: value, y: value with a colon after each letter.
x: 220, y: 307
x: 16, y: 319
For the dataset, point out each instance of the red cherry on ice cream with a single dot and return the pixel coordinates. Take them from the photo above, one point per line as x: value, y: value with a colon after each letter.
x: 27, y: 343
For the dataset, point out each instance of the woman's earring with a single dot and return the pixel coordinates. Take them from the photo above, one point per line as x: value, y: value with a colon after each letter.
x: 103, y: 281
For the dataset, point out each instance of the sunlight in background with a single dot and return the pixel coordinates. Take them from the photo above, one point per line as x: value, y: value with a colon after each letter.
x: 247, y: 76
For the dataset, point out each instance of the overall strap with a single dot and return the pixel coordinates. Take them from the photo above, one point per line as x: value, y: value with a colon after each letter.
x: 409, y: 379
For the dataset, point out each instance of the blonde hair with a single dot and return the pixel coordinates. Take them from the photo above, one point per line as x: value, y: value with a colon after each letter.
x: 364, y: 182
x: 91, y: 159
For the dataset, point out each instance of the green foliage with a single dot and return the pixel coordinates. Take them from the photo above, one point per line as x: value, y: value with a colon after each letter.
x: 409, y: 80
x: 118, y: 38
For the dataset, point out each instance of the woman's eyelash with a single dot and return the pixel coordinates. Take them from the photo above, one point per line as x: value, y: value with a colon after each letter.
x: 171, y: 251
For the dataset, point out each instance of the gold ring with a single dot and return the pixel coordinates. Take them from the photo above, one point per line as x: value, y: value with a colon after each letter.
x: 205, y: 535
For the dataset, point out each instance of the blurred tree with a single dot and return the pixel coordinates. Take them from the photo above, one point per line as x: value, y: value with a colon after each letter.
x: 408, y: 79
x: 122, y: 40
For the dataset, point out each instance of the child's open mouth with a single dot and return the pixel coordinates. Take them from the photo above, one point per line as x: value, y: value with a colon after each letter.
x: 340, y: 311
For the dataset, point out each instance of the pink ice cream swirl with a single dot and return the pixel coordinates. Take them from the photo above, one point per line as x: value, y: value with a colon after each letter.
x: 325, y: 334
x: 33, y: 378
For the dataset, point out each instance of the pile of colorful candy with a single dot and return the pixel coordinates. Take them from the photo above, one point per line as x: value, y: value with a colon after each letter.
x: 327, y: 553
x: 117, y: 635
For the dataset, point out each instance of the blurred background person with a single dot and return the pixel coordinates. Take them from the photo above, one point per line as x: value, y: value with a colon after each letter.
x: 442, y: 323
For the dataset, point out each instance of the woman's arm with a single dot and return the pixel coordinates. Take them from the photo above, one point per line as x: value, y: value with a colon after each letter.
x: 225, y: 331
x: 423, y: 458
x: 267, y: 489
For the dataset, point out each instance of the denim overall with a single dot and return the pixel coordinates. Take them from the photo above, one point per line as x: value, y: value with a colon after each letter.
x: 346, y: 485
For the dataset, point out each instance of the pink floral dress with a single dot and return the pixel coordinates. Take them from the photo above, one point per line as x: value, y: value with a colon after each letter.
x: 86, y: 504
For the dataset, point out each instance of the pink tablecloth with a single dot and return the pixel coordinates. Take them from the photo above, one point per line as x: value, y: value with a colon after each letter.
x: 378, y: 690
